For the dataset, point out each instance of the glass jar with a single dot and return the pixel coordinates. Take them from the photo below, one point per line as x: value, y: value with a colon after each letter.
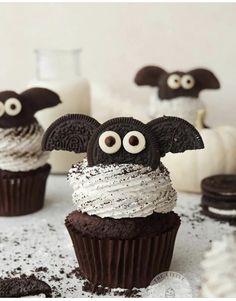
x: 58, y: 70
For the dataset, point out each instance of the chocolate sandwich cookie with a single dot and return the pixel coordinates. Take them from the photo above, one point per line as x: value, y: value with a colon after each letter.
x: 23, y: 286
x: 219, y: 197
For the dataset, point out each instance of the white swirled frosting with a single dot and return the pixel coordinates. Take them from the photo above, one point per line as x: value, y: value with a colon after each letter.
x: 219, y: 265
x: 121, y: 190
x: 20, y: 148
x: 182, y: 107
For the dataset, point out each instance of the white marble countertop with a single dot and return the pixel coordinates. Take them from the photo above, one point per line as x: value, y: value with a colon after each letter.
x: 41, y: 240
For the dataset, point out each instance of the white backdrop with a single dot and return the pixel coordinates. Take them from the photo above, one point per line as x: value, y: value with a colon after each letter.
x: 118, y: 39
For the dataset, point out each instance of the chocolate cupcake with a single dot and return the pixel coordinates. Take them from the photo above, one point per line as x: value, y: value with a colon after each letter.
x: 124, y: 229
x: 176, y: 93
x: 23, y: 165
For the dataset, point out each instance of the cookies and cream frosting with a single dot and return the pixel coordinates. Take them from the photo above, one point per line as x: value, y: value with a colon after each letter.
x: 182, y: 107
x: 219, y: 266
x: 20, y: 148
x: 121, y: 190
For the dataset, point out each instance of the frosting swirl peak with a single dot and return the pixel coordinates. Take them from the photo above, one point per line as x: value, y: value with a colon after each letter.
x: 121, y: 190
x: 20, y: 148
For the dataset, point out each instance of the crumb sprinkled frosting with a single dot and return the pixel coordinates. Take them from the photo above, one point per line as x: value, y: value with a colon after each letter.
x: 121, y: 190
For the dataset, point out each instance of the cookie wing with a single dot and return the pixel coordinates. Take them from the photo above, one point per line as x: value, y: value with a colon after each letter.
x: 149, y: 76
x: 70, y: 133
x: 175, y: 135
x: 205, y: 79
x: 38, y: 99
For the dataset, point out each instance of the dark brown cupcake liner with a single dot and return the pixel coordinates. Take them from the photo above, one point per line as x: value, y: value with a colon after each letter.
x: 124, y: 263
x: 22, y: 192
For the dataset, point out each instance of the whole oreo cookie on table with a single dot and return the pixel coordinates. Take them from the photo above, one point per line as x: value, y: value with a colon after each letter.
x: 123, y: 194
x: 219, y: 197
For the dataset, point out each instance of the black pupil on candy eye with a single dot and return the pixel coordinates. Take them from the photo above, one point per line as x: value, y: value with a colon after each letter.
x: 189, y: 81
x: 176, y: 80
x: 13, y: 106
x: 133, y: 140
x: 110, y: 141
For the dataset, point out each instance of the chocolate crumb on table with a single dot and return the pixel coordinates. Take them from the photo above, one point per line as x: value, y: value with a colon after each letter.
x: 101, y: 291
x: 41, y: 269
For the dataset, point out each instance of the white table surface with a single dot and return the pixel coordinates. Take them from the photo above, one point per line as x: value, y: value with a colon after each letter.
x: 41, y: 240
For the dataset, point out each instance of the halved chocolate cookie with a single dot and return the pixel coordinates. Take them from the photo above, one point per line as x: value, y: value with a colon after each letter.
x: 219, y: 197
x: 23, y: 286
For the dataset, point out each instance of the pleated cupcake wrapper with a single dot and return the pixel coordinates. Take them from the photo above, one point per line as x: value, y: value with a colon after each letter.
x: 22, y: 192
x: 124, y: 263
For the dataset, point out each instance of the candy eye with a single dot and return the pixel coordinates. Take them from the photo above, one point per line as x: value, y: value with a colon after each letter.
x: 173, y: 81
x: 134, y: 142
x: 187, y: 81
x: 109, y: 142
x: 2, y: 109
x: 13, y: 106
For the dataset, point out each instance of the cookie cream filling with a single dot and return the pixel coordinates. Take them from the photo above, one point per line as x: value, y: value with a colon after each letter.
x: 228, y: 193
x: 231, y: 212
x: 41, y: 295
x: 183, y: 107
x: 121, y: 190
x: 219, y: 267
x: 20, y: 148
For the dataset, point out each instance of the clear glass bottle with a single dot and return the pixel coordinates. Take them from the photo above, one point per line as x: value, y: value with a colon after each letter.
x: 58, y: 70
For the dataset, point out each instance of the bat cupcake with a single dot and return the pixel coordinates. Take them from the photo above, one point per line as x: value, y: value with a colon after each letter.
x: 178, y: 91
x: 123, y: 229
x: 23, y: 165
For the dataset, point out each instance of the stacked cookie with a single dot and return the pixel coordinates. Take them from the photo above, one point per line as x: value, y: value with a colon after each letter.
x: 219, y: 197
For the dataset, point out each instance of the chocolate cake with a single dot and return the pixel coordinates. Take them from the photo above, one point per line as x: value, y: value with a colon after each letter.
x: 123, y: 228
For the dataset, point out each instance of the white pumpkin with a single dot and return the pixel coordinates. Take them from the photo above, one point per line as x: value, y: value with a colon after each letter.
x: 218, y: 157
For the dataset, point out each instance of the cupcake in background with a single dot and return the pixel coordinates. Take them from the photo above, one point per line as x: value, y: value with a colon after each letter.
x: 23, y: 165
x: 219, y: 269
x: 124, y: 229
x: 178, y: 91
